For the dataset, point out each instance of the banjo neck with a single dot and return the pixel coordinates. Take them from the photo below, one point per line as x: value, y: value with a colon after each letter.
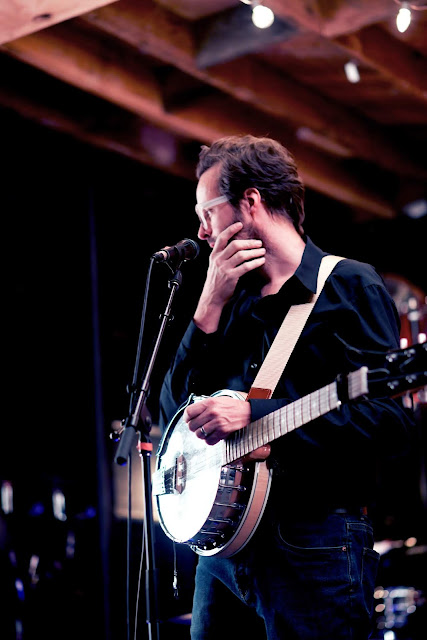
x: 261, y: 432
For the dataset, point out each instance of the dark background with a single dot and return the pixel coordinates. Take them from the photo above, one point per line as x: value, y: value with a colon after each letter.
x: 80, y: 227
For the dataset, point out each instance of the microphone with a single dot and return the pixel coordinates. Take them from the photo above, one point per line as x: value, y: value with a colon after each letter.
x: 180, y: 252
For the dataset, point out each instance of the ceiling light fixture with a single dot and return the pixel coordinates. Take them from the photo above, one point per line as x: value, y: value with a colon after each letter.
x: 352, y: 72
x: 262, y: 16
x: 404, y: 15
x: 403, y: 19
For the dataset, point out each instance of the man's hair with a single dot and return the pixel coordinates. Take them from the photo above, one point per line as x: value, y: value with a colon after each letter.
x: 248, y: 161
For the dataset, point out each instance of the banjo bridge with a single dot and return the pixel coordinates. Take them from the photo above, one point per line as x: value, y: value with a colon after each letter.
x: 180, y: 474
x: 172, y: 480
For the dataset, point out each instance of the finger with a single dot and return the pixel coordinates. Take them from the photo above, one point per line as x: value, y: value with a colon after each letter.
x: 194, y: 410
x: 196, y: 420
x: 248, y: 265
x: 213, y: 436
x: 201, y: 433
x: 207, y: 434
x: 225, y: 236
x: 241, y: 244
x: 243, y: 255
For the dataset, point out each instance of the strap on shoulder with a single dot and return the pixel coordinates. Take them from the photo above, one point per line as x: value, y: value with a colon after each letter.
x: 287, y: 336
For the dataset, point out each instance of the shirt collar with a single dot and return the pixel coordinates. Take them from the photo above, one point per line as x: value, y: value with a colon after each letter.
x: 305, y: 274
x: 308, y: 268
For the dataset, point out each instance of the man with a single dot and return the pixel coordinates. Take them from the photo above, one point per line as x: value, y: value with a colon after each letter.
x: 308, y: 572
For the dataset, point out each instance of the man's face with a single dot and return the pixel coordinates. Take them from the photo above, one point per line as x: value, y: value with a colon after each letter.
x: 214, y: 217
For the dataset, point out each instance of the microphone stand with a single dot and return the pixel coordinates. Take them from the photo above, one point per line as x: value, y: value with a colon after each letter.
x: 145, y: 447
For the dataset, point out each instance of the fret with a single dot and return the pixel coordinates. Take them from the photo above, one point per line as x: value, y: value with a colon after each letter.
x: 237, y: 444
x: 334, y: 402
x: 315, y: 404
x: 250, y: 437
x: 249, y: 444
x: 306, y: 412
x: 282, y: 427
x: 258, y: 425
x: 289, y: 418
x: 241, y: 442
x: 276, y: 425
x: 232, y: 453
x: 255, y: 428
x: 266, y: 431
x: 297, y: 413
x: 262, y: 433
x: 324, y: 401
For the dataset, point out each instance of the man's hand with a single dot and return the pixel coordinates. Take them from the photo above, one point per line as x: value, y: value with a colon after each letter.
x: 218, y: 416
x: 228, y: 262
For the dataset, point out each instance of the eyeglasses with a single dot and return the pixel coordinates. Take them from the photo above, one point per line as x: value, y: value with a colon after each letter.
x: 203, y: 209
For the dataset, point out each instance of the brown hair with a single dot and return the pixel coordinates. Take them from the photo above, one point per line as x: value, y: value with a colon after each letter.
x: 263, y: 163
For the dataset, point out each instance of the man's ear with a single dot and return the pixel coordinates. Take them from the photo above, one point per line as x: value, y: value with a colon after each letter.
x: 253, y: 196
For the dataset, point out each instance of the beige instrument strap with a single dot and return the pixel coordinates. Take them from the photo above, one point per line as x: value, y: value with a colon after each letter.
x: 287, y: 337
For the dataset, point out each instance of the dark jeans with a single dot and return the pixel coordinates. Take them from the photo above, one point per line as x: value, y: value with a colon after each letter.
x: 302, y: 580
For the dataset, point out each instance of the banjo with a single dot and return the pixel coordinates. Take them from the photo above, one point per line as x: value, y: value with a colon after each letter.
x: 212, y: 497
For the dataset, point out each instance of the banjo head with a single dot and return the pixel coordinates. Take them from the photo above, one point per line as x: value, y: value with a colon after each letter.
x: 192, y: 471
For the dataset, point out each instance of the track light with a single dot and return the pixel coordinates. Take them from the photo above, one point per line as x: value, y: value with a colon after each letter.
x: 262, y: 16
x: 403, y: 19
x: 352, y: 72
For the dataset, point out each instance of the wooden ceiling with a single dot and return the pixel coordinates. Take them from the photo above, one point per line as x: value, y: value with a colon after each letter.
x: 154, y: 79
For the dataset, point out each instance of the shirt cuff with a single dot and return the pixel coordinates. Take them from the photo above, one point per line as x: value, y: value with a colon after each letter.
x: 261, y: 408
x: 195, y: 338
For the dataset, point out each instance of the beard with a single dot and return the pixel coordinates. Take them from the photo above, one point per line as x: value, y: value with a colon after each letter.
x: 253, y: 280
x: 247, y: 232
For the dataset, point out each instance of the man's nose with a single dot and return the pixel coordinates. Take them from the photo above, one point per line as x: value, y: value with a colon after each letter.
x: 203, y: 233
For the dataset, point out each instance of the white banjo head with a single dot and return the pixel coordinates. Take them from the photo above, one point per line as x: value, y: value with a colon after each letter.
x: 184, y: 510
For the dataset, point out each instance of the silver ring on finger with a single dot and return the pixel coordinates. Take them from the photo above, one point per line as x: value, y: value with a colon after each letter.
x: 203, y: 432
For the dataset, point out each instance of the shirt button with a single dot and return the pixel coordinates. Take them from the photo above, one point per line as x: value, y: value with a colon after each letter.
x: 254, y: 365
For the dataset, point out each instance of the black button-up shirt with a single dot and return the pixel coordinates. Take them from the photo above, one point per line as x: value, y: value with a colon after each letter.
x: 331, y: 460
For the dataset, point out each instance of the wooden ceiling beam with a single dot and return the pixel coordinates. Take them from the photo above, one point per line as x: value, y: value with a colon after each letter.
x: 391, y: 57
x: 352, y: 27
x: 134, y: 88
x: 61, y: 54
x: 320, y: 172
x: 20, y: 17
x: 127, y: 141
x: 333, y: 19
x: 165, y: 36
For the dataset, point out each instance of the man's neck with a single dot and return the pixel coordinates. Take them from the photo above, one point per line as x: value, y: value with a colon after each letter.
x: 283, y: 259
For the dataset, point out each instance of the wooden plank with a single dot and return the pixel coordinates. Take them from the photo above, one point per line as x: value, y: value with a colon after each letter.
x: 169, y: 38
x: 319, y: 171
x: 20, y: 17
x: 344, y: 23
x: 334, y: 18
x: 134, y: 88
x: 231, y: 34
x: 107, y: 128
x: 393, y: 58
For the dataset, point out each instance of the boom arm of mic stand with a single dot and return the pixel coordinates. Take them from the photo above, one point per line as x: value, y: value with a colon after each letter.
x: 131, y: 422
x: 145, y: 449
